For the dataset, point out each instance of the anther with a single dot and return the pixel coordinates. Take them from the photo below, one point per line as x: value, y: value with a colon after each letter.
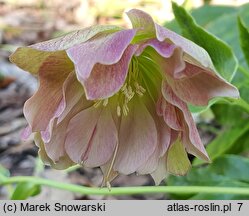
x: 108, y: 185
x: 97, y: 103
x: 105, y: 102
x: 118, y: 111
x: 125, y: 109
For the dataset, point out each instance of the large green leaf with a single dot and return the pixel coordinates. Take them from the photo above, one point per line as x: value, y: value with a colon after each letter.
x: 209, y: 13
x: 221, y: 54
x: 228, y: 170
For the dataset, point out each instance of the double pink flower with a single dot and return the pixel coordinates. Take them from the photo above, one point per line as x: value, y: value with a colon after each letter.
x: 117, y: 98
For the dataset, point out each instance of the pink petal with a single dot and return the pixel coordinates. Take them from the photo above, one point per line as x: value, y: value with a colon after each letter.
x: 197, y: 147
x: 169, y: 113
x: 137, y: 138
x: 40, y: 108
x: 143, y: 23
x: 72, y: 93
x: 171, y: 117
x: 200, y: 85
x: 106, y: 80
x: 55, y: 145
x: 63, y: 163
x: 161, y: 172
x: 91, y: 137
x: 163, y: 134
x: 73, y: 38
x: 173, y: 65
x: 151, y: 164
x: 191, y: 49
x: 105, y: 49
x: 164, y: 48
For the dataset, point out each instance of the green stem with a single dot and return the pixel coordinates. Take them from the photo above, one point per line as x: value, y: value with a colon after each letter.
x: 126, y: 190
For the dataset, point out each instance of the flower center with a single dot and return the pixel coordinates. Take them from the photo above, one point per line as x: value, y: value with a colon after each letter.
x: 143, y: 80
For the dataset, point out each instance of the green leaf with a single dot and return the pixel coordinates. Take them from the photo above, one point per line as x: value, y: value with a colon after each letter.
x: 228, y: 115
x: 244, y: 39
x: 204, y: 16
x: 221, y: 54
x: 228, y: 170
x: 25, y: 190
x: 225, y: 141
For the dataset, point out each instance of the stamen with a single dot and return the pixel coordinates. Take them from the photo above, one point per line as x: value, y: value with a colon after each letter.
x: 139, y: 93
x: 97, y: 103
x: 125, y: 109
x: 140, y: 90
x: 118, y: 111
x: 105, y: 102
x: 108, y: 185
x: 124, y: 87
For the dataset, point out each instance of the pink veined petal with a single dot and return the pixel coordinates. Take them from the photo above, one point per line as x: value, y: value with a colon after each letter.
x: 40, y: 108
x: 72, y: 93
x: 76, y: 37
x: 105, y: 49
x: 63, y: 163
x: 200, y: 85
x: 173, y: 65
x: 197, y: 148
x: 164, y: 48
x: 137, y: 138
x: 143, y: 23
x: 55, y: 47
x: 91, y: 137
x: 169, y: 113
x: 151, y: 164
x: 196, y: 52
x: 171, y: 118
x: 163, y: 135
x: 55, y: 145
x: 106, y: 80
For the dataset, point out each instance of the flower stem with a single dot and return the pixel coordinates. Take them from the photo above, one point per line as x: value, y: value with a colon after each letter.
x: 126, y: 190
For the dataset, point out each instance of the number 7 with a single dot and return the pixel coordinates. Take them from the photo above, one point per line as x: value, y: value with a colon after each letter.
x: 240, y: 205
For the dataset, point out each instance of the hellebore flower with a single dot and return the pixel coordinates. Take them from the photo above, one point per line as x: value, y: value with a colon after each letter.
x: 117, y: 98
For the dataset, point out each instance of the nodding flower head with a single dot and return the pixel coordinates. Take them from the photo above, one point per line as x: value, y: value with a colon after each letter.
x: 117, y: 98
